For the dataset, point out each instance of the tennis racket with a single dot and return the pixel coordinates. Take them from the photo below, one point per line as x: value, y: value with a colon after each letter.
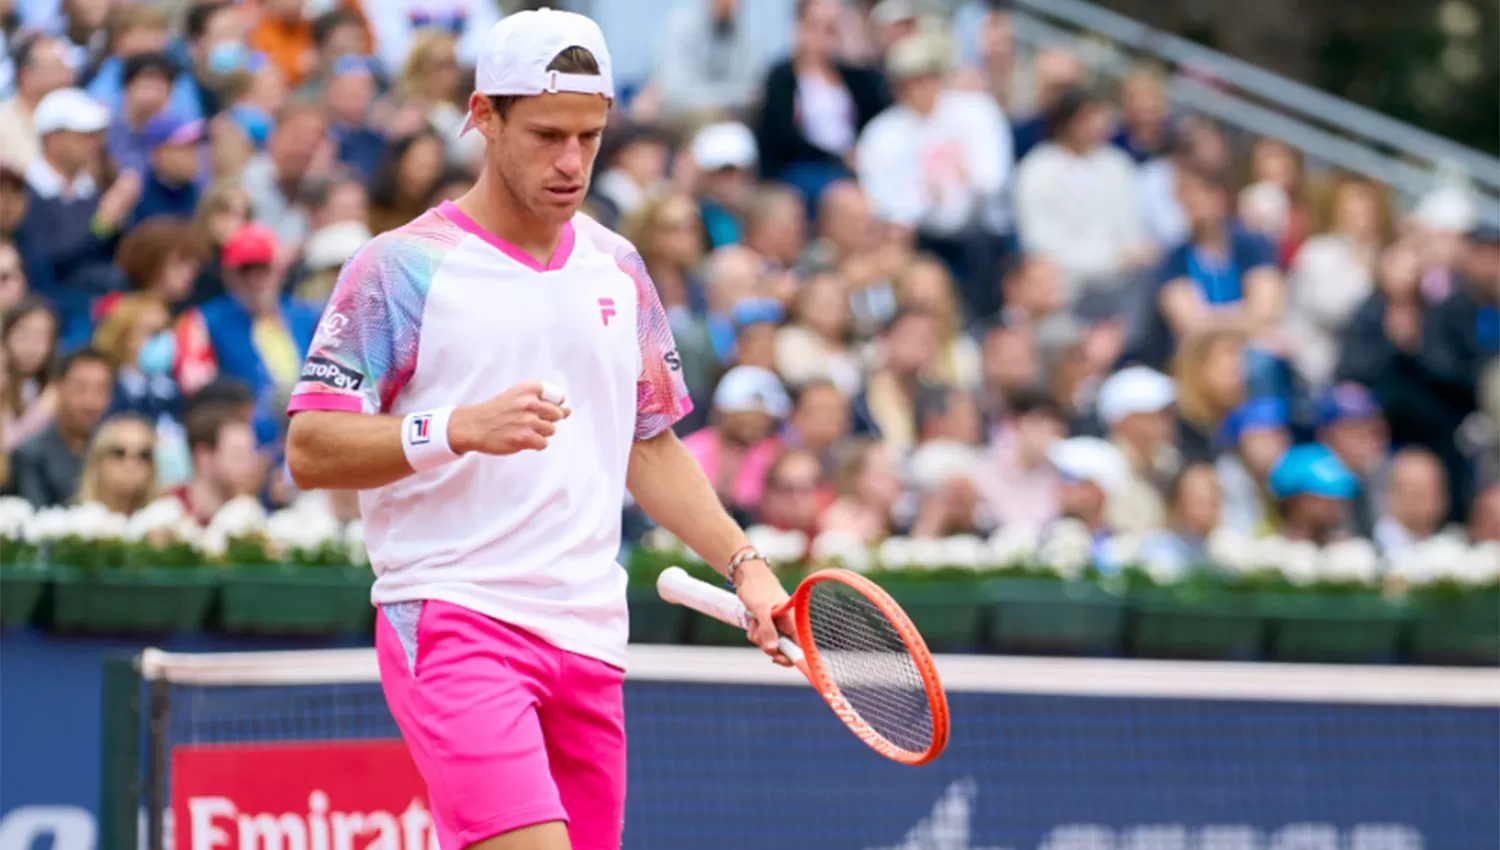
x: 858, y: 649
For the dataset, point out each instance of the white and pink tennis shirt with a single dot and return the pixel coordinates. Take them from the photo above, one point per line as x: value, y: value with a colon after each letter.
x: 441, y: 312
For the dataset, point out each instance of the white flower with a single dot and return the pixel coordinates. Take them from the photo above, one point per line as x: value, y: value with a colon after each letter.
x: 927, y: 553
x: 163, y: 514
x: 239, y: 517
x: 304, y: 528
x: 1299, y: 562
x: 1067, y: 548
x: 15, y: 513
x: 1266, y: 553
x: 1436, y: 558
x: 963, y: 550
x: 1013, y: 545
x: 187, y: 530
x: 1481, y: 564
x: 790, y: 546
x: 88, y: 521
x: 1350, y: 560
x: 1231, y: 550
x: 762, y: 537
x: 214, y: 543
x: 895, y: 553
x: 1127, y: 548
x: 845, y: 546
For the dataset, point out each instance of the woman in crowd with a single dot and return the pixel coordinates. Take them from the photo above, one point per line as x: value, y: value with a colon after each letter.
x: 28, y: 335
x: 1210, y: 374
x: 926, y: 286
x: 12, y: 276
x: 1274, y: 200
x: 163, y: 257
x: 222, y: 210
x: 817, y: 344
x: 405, y: 182
x: 431, y: 85
x: 868, y: 491
x: 119, y: 471
x: 136, y: 337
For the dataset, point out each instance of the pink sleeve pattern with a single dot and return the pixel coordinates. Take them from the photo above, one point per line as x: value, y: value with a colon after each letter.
x: 661, y: 395
x: 365, y: 349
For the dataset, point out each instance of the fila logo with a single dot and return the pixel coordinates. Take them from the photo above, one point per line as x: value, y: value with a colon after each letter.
x: 421, y: 430
x: 606, y: 310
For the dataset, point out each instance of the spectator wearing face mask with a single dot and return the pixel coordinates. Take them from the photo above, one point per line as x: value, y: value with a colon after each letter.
x: 1254, y: 438
x: 137, y: 338
x: 1312, y: 489
x: 45, y: 470
x: 216, y: 33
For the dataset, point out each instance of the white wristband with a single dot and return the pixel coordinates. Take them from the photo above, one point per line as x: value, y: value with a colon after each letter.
x: 424, y: 439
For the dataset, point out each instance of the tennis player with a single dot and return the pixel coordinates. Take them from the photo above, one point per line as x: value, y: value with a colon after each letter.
x: 492, y: 377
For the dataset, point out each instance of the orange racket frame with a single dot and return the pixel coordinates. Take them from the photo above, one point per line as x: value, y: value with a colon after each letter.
x: 675, y: 585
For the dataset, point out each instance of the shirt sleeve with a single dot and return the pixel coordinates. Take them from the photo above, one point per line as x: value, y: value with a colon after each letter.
x: 365, y: 348
x: 661, y: 393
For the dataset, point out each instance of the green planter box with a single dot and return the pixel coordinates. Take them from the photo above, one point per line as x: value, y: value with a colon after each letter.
x: 302, y: 601
x: 1222, y: 626
x: 1037, y: 615
x: 130, y: 601
x: 1334, y: 629
x: 21, y: 589
x: 1459, y: 631
x: 653, y: 619
x: 948, y: 612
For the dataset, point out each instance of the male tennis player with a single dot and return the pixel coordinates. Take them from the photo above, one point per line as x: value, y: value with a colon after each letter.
x: 493, y: 376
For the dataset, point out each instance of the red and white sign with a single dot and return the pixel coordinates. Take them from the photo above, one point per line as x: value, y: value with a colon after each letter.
x: 345, y: 795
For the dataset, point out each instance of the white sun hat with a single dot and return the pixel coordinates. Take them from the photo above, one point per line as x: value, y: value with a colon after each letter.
x: 517, y: 51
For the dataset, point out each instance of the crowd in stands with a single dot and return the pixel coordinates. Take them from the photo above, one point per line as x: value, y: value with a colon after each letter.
x: 921, y: 282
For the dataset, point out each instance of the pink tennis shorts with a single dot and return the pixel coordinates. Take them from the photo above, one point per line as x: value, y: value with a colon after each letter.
x: 507, y: 730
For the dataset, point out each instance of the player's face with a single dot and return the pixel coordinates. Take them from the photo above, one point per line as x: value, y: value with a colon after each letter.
x: 545, y: 149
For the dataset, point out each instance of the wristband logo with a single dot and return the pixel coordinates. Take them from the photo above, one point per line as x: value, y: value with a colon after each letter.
x: 420, y: 430
x: 321, y: 370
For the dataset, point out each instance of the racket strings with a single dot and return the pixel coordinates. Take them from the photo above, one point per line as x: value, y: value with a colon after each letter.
x: 867, y: 659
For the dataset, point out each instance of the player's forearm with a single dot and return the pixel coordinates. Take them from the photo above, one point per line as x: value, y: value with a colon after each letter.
x: 668, y: 484
x: 329, y: 450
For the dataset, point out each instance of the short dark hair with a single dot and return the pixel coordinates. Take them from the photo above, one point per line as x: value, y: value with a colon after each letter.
x: 574, y: 60
x: 80, y: 357
x: 800, y: 393
x: 149, y: 63
x: 1072, y: 101
x: 206, y: 423
x: 25, y: 47
x: 317, y: 189
x: 1027, y: 401
x: 225, y: 392
x: 200, y: 14
x: 1208, y: 175
x: 324, y: 25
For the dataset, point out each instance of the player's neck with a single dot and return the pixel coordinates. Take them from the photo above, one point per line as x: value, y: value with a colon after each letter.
x: 491, y: 206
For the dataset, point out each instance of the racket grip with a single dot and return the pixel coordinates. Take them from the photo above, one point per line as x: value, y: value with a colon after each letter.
x: 676, y: 586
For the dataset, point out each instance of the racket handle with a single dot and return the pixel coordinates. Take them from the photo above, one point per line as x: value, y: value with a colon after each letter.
x: 679, y: 588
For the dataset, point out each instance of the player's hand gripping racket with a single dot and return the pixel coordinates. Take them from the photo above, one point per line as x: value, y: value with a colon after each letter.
x: 857, y: 648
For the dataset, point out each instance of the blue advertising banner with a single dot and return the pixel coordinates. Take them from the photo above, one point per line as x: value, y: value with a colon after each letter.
x: 718, y: 766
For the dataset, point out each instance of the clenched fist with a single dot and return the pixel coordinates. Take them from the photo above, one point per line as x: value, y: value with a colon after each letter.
x: 520, y: 419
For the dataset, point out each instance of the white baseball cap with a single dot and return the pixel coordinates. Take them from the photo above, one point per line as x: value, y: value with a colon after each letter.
x: 70, y: 110
x: 752, y: 389
x: 517, y: 51
x: 1136, y: 389
x: 728, y: 144
x: 1091, y: 459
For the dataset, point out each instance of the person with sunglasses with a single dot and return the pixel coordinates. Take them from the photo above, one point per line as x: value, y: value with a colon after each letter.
x: 120, y: 469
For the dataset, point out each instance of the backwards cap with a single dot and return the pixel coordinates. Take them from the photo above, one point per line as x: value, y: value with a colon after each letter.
x: 517, y: 51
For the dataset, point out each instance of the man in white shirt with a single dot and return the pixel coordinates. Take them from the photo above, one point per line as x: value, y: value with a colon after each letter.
x: 708, y: 61
x: 493, y: 376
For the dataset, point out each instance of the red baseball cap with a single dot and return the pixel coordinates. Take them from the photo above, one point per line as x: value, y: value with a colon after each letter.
x: 252, y: 244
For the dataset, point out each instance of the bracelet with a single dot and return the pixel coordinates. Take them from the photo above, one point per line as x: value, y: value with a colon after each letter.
x: 424, y: 439
x: 738, y: 559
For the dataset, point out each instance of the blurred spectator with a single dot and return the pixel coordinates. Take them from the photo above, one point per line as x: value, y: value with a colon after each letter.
x: 708, y: 62
x: 119, y: 471
x: 428, y: 94
x: 756, y: 321
x: 819, y: 422
x: 163, y: 257
x: 1254, y: 438
x: 12, y: 276
x: 1416, y: 505
x: 1349, y: 422
x: 1209, y: 370
x: 1312, y: 488
x: 908, y: 353
x: 1274, y: 200
x: 216, y: 32
x: 327, y: 250
x: 42, y: 67
x: 1077, y: 202
x: 725, y: 157
x: 867, y: 491
x: 776, y: 227
x: 794, y: 494
x: 274, y: 178
x: 145, y: 87
x: 1193, y: 504
x: 1091, y: 475
x: 1018, y: 484
x: 174, y: 174
x: 1436, y: 228
x: 1333, y: 273
x: 890, y: 22
x: 348, y: 97
x: 1031, y: 294
x: 985, y: 34
x: 253, y: 333
x: 405, y: 181
x: 669, y: 235
x: 12, y: 201
x: 1009, y: 363
x: 1146, y: 125
x: 337, y: 33
x: 816, y: 344
x: 1135, y: 405
x: 285, y: 37
x: 223, y: 210
x: 730, y: 275
x: 738, y: 446
x: 925, y: 286
x: 28, y: 337
x: 632, y: 163
x: 1055, y: 71
x: 139, y: 30
x: 225, y: 463
x: 938, y: 160
x: 1484, y: 519
x: 942, y: 467
x: 136, y: 337
x: 399, y: 25
x: 815, y: 106
x: 1196, y: 143
x: 45, y: 469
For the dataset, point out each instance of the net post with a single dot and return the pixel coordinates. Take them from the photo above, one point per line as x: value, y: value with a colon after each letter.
x: 120, y: 751
x: 156, y: 762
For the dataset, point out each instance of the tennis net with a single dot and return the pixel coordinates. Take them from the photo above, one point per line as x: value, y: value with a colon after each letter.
x: 296, y: 751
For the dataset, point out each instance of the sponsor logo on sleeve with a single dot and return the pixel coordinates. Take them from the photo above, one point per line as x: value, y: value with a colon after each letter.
x: 321, y: 370
x: 674, y: 362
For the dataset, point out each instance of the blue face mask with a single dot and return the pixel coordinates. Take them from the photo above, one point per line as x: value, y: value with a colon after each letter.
x: 227, y: 57
x: 254, y: 121
x: 158, y: 353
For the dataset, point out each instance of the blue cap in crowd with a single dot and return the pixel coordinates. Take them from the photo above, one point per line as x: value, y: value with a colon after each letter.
x: 1347, y: 403
x: 1312, y: 469
x: 1265, y: 413
x: 753, y: 311
x: 170, y: 129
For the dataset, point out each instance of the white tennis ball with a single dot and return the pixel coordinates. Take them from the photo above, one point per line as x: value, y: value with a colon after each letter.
x: 552, y: 393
